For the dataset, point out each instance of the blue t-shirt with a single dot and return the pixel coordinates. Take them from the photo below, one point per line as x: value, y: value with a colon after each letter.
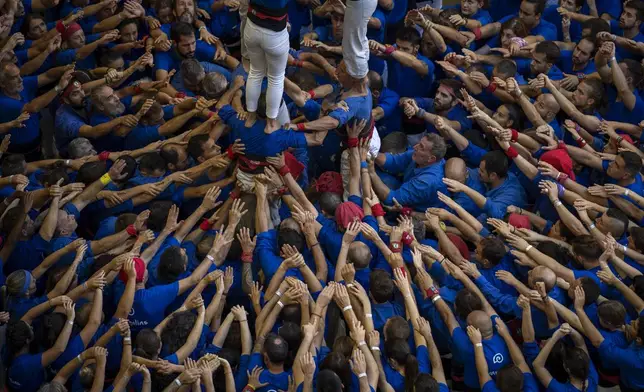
x: 26, y: 373
x: 629, y: 360
x: 12, y: 108
x: 567, y: 65
x: 149, y: 305
x: 529, y: 384
x: 593, y: 379
x: 406, y: 82
x: 275, y: 381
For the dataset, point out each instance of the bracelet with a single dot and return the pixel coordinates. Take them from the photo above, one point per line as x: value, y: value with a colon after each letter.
x: 301, y: 127
x: 202, y: 27
x: 67, y: 162
x: 627, y: 192
x: 377, y: 210
x: 348, y: 307
x: 284, y: 170
x: 314, y: 245
x: 350, y: 284
x: 395, y: 246
x: 106, y: 179
x: 361, y: 375
x: 363, y: 165
x: 315, y: 314
x: 353, y: 142
x: 407, y: 238
x: 80, y: 360
x: 280, y: 304
x: 477, y: 33
x: 362, y: 343
x: 442, y: 260
x: 209, y: 257
x: 375, y: 348
x: 368, y: 315
x: 131, y: 230
x: 491, y: 88
x: 511, y: 152
x: 247, y: 257
x: 514, y: 135
x: 479, y: 344
x: 390, y: 49
x: 557, y: 203
x: 527, y: 249
x: 278, y: 293
x: 104, y: 156
x: 70, y: 322
x: 436, y: 298
x: 592, y: 226
x: 176, y: 380
x: 127, y: 340
x: 421, y: 112
x: 205, y: 225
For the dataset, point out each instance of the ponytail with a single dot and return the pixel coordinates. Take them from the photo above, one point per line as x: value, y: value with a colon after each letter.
x: 411, y: 372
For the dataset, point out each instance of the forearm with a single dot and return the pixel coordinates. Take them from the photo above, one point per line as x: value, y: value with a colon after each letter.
x: 107, y: 243
x: 108, y: 24
x: 176, y: 123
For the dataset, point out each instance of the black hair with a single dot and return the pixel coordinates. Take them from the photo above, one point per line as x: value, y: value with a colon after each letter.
x: 169, y: 154
x: 591, y: 289
x: 171, y: 265
x: 328, y: 381
x: 194, y: 148
x: 455, y: 85
x: 181, y: 29
x: 598, y: 92
x: 638, y: 285
x: 632, y: 162
x: 612, y: 312
x: 397, y: 328
x: 515, y: 114
x: 540, y: 5
x: 381, y: 286
x: 152, y: 161
x: 13, y: 164
x: 52, y: 325
x: 291, y: 333
x: 398, y: 350
x: 395, y: 143
x: 123, y: 221
x: 465, y: 303
x: 596, y: 26
x: 126, y: 22
x: 426, y: 383
x: 507, y: 68
x: 329, y: 202
x: 290, y: 237
x: 90, y: 172
x: 509, y: 378
x: 555, y: 251
x: 19, y: 335
x: 493, y: 249
x: 276, y: 348
x: 12, y: 218
x: 176, y: 332
x: 587, y: 247
x: 550, y: 49
x: 158, y: 215
x: 408, y: 34
x: 53, y: 174
x: 638, y: 6
x: 496, y: 162
x: 577, y: 363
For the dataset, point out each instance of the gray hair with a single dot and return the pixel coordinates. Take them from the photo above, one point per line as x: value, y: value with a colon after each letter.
x: 214, y: 85
x: 439, y: 148
x: 52, y: 387
x: 79, y: 147
x: 192, y: 71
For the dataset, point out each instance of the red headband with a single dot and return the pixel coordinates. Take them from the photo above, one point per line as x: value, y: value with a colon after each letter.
x: 70, y: 87
x: 71, y: 29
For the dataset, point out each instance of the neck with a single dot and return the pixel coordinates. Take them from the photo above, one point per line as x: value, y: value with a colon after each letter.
x: 576, y: 67
x: 625, y: 182
x: 497, y: 183
x: 632, y: 32
x: 275, y: 368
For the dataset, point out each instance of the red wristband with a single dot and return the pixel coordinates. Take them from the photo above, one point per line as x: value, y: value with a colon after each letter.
x: 180, y: 95
x: 104, y: 156
x: 353, y: 142
x: 247, y: 257
x: 248, y: 388
x: 491, y: 88
x: 561, y: 178
x: 515, y: 135
x: 235, y: 194
x: 580, y: 142
x: 431, y: 292
x: 407, y: 238
x: 284, y: 170
x: 512, y: 152
x: 230, y: 153
x: 138, y: 90
x: 131, y: 230
x: 298, y: 63
x: 390, y: 49
x: 300, y: 127
x: 377, y: 210
x: 395, y: 246
x: 205, y: 225
x: 406, y: 211
x: 477, y: 33
x: 402, y: 271
x: 283, y: 190
x: 312, y: 93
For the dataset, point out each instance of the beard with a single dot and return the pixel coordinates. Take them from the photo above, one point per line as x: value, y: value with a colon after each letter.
x: 187, y: 17
x: 117, y: 110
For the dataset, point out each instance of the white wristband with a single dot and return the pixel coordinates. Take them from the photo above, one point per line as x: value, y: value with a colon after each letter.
x: 375, y: 348
x: 280, y: 304
x: 362, y: 375
x: 67, y: 162
x: 350, y: 285
x: 70, y: 323
x: 527, y: 248
x: 368, y: 315
x: 278, y: 293
x: 436, y: 298
x: 127, y: 340
x: 479, y: 344
x: 624, y: 247
x: 363, y: 343
x: 627, y: 192
x: 348, y: 307
x: 80, y: 360
x: 592, y: 226
x: 177, y: 381
x: 209, y: 257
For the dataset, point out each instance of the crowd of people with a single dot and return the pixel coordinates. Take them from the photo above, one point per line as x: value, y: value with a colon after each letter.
x: 310, y: 195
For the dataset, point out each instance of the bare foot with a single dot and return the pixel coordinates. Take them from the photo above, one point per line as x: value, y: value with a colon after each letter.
x: 250, y: 119
x: 272, y: 125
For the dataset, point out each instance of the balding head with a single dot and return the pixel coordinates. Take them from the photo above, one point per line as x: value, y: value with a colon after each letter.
x: 359, y: 255
x: 547, y: 106
x: 456, y: 169
x: 480, y: 320
x: 542, y: 274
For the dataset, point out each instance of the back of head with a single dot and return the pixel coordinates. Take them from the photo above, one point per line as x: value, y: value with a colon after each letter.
x: 632, y: 162
x: 192, y: 71
x: 359, y: 255
x: 291, y: 333
x: 52, y: 325
x: 344, y: 345
x: 555, y: 251
x: 275, y: 348
x: 290, y: 237
x: 426, y: 383
x: 587, y: 247
x: 19, y: 334
x: 394, y: 143
x: 496, y: 162
x: 550, y: 49
x: 396, y: 327
x: 594, y: 27
x: 577, y: 363
x: 622, y: 218
x: 398, y: 350
x: 509, y: 379
x: 180, y: 29
x: 612, y: 313
x: 506, y: 69
x: 328, y: 381
x: 439, y: 147
x: 381, y: 286
x: 158, y: 215
x: 194, y: 148
x: 465, y: 303
x: 152, y: 162
x: 177, y: 330
x: 493, y: 249
x: 171, y: 265
x: 52, y: 387
x: 13, y: 164
x: 375, y: 81
x: 90, y: 172
x: 329, y: 201
x: 214, y: 85
x: 591, y: 289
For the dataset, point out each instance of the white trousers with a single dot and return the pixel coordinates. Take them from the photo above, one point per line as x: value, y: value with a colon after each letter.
x: 268, y: 54
x: 355, y: 45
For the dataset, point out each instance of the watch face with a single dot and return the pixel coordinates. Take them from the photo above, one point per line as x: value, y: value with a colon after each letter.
x: 395, y: 245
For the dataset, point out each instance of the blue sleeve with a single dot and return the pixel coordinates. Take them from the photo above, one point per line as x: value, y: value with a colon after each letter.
x: 160, y: 297
x: 292, y: 139
x: 269, y: 261
x: 422, y: 355
x: 473, y: 154
x: 68, y: 125
x: 489, y: 386
x: 311, y: 110
x: 502, y: 302
x: 343, y: 116
x: 65, y: 57
x: 414, y: 191
x: 162, y: 60
x: 397, y: 163
x: 210, y: 67
x: 388, y: 101
x: 462, y: 343
x: 623, y: 356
